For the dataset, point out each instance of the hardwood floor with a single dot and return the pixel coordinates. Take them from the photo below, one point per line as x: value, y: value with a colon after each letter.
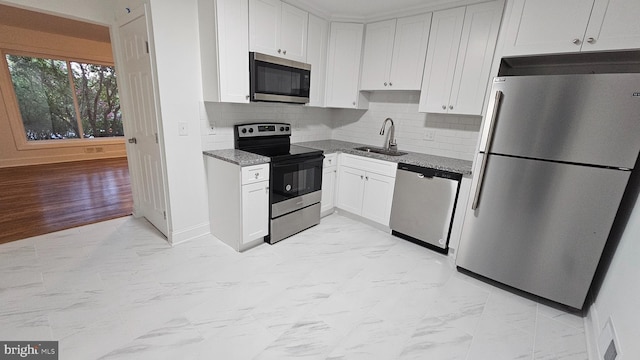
x: 36, y: 200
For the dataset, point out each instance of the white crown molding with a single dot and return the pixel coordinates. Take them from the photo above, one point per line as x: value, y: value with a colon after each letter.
x: 312, y: 7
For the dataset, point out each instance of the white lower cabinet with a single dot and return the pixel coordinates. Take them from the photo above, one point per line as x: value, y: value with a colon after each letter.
x: 329, y: 175
x: 255, y: 211
x: 365, y: 187
x: 238, y: 202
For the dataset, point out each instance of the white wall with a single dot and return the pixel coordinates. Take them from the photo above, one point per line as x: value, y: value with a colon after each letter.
x: 97, y: 11
x: 308, y: 123
x: 455, y: 136
x: 619, y: 296
x: 177, y: 53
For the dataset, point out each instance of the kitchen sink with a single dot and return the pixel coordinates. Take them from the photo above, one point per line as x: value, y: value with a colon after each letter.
x: 382, y: 151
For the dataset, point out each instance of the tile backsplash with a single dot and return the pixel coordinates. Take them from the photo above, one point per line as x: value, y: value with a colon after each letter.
x: 308, y: 123
x: 454, y: 136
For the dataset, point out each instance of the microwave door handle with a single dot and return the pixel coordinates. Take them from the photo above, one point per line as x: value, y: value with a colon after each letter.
x: 487, y: 149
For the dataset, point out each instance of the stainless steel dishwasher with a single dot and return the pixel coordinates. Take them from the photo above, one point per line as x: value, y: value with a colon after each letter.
x: 423, y: 205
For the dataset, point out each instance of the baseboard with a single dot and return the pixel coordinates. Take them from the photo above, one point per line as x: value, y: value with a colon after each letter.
x: 363, y: 220
x: 191, y: 233
x: 591, y: 330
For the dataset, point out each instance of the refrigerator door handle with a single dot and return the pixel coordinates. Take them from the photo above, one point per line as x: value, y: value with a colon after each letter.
x: 487, y: 148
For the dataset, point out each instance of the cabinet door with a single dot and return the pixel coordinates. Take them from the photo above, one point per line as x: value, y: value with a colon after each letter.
x: 233, y: 48
x: 471, y: 79
x: 350, y: 189
x: 546, y: 26
x: 614, y: 24
x: 318, y: 36
x: 409, y: 52
x: 377, y: 54
x: 377, y: 198
x: 343, y: 65
x: 264, y: 26
x: 255, y: 211
x: 327, y: 202
x: 293, y: 33
x: 442, y: 53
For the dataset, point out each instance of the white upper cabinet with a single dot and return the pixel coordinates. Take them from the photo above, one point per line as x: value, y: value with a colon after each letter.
x: 378, y: 52
x: 409, y: 52
x: 343, y: 66
x: 394, y: 53
x: 224, y: 50
x: 278, y: 29
x: 549, y: 26
x: 444, y: 41
x: 613, y: 25
x: 459, y: 58
x: 318, y: 38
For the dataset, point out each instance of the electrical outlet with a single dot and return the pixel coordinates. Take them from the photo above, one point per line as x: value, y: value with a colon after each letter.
x: 211, y: 130
x: 430, y: 135
x: 183, y: 128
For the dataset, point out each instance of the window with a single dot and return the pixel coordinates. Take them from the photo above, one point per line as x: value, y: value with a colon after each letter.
x: 60, y: 99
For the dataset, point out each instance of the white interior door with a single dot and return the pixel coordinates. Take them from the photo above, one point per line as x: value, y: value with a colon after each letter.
x: 141, y: 120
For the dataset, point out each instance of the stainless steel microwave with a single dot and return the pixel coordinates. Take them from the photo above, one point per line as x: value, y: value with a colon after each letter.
x: 276, y: 79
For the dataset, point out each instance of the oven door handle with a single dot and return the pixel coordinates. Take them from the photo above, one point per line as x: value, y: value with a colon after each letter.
x: 299, y: 160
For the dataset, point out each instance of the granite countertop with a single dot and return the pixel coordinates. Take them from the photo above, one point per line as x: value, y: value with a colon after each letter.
x: 237, y: 157
x: 431, y: 161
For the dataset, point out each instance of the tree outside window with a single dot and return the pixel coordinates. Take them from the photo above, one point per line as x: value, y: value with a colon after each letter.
x: 65, y: 99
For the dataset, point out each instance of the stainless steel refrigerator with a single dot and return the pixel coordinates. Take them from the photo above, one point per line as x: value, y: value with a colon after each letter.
x: 554, y: 159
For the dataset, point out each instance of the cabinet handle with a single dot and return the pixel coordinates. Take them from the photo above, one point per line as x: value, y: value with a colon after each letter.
x: 257, y: 175
x: 279, y: 51
x: 591, y: 40
x: 361, y: 177
x: 284, y: 52
x: 366, y: 178
x: 385, y: 84
x: 576, y: 41
x: 354, y: 103
x: 450, y: 107
x: 390, y: 84
x: 248, y: 97
x: 267, y: 189
x: 444, y: 107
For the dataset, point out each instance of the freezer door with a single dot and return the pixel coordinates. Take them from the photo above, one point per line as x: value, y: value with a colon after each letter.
x: 585, y: 119
x: 541, y: 226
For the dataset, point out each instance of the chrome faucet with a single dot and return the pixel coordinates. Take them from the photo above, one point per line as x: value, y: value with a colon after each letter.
x: 391, y: 145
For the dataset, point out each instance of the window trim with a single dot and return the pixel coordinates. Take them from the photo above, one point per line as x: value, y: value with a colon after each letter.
x: 13, y: 109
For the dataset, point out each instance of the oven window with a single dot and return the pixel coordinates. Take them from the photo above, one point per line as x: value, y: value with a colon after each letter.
x: 281, y: 80
x: 291, y: 180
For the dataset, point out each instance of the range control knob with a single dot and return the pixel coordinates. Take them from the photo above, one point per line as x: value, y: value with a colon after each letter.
x: 281, y: 128
x: 244, y: 131
x: 287, y: 128
x: 250, y: 130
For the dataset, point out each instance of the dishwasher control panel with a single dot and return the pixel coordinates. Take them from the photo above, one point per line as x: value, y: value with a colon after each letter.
x: 430, y: 172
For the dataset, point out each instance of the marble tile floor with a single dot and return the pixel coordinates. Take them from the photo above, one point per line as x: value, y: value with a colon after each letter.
x: 340, y: 290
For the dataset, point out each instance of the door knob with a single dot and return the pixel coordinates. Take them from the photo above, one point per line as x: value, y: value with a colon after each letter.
x: 133, y: 140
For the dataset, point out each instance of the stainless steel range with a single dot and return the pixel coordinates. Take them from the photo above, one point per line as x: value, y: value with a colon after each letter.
x: 295, y: 177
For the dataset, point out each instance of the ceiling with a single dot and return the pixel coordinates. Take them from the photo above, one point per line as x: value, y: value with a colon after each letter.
x: 367, y: 10
x: 31, y: 20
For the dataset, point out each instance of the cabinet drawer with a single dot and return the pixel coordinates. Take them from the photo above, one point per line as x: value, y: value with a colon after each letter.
x: 255, y: 173
x: 330, y: 160
x: 370, y: 165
